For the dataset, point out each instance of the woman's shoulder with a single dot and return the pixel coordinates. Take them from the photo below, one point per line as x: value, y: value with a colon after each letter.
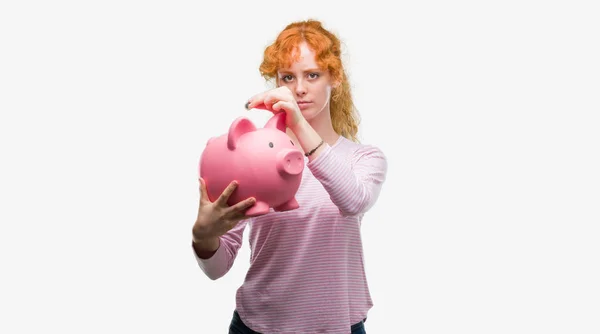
x: 358, y: 149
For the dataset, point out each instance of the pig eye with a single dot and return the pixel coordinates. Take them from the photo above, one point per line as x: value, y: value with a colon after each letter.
x: 292, y: 142
x: 271, y: 144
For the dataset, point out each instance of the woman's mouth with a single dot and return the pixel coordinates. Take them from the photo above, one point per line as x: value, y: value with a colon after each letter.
x: 304, y: 104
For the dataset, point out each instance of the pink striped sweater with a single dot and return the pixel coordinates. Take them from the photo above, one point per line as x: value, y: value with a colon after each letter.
x: 306, y: 271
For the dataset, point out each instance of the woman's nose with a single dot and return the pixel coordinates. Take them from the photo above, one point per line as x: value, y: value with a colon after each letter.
x: 300, y: 89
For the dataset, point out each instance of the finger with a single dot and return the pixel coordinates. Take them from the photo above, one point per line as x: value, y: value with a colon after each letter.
x: 279, y: 95
x: 256, y: 100
x: 242, y: 206
x: 285, y: 105
x: 203, y: 193
x: 234, y: 218
x: 224, y: 197
x: 293, y: 113
x: 259, y: 106
x: 266, y: 99
x: 270, y: 100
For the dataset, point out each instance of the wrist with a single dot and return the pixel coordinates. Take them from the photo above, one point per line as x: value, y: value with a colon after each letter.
x: 205, y: 248
x: 311, y: 142
x: 314, y: 150
x: 201, y: 235
x: 299, y: 126
x: 205, y: 241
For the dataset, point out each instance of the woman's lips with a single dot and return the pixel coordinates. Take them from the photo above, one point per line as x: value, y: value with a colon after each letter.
x: 304, y: 105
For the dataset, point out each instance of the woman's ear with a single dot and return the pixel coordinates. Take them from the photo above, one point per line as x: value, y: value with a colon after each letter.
x: 336, y: 84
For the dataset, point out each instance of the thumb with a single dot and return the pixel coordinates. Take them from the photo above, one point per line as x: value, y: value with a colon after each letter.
x: 203, y: 193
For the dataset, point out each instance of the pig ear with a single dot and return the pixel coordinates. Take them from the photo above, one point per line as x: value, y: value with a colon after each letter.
x: 239, y: 127
x: 277, y: 121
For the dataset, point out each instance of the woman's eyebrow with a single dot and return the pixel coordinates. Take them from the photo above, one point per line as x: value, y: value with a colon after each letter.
x: 305, y: 71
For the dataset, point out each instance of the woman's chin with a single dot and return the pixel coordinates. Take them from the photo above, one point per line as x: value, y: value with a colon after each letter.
x: 311, y: 113
x: 309, y: 116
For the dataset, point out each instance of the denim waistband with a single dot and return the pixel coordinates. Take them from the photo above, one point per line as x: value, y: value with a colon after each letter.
x: 237, y: 321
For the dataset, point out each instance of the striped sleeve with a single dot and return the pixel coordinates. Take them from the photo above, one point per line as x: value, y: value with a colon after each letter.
x: 222, y: 260
x: 353, y: 186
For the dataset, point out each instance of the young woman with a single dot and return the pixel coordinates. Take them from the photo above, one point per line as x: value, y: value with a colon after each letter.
x: 306, y: 272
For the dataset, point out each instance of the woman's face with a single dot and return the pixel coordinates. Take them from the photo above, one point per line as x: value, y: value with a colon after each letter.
x: 310, y: 85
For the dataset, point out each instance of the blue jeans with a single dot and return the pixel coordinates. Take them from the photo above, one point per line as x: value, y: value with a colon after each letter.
x: 238, y: 327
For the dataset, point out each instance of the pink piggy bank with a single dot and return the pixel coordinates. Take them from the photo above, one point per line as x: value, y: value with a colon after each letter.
x: 265, y: 162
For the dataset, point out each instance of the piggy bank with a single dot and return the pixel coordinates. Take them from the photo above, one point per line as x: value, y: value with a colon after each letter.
x: 265, y: 163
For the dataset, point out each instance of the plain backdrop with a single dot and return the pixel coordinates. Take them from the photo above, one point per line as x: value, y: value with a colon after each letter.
x: 488, y: 113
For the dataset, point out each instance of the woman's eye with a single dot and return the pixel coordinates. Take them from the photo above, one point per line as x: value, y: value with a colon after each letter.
x: 271, y: 144
x: 313, y: 75
x: 287, y: 78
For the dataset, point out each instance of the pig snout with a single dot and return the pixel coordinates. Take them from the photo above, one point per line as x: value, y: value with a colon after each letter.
x: 290, y: 162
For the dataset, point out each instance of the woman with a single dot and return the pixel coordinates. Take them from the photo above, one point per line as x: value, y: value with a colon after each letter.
x: 306, y: 273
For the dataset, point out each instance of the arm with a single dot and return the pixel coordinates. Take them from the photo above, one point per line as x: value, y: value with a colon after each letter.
x: 215, y: 257
x: 352, y: 186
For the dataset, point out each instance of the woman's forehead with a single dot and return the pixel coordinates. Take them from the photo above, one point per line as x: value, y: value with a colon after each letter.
x: 305, y: 60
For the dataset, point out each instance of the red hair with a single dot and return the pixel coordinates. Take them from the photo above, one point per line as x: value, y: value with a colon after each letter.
x: 327, y: 49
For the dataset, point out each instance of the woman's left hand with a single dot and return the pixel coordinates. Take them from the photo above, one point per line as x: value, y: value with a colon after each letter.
x: 278, y: 100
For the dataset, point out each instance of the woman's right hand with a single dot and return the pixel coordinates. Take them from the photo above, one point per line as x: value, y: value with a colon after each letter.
x: 216, y: 218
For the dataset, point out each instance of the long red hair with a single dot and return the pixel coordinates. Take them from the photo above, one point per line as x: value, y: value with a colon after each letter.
x: 327, y: 49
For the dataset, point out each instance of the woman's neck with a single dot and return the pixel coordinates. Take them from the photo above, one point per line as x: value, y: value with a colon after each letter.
x: 325, y: 130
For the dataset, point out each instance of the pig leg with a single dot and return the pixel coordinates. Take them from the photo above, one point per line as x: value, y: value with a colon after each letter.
x: 259, y: 208
x: 289, y: 205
